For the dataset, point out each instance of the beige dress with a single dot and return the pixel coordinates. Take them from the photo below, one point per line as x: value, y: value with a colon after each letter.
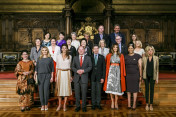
x: 63, y: 83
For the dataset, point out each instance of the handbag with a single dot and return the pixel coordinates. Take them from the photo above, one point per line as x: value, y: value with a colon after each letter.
x: 30, y: 81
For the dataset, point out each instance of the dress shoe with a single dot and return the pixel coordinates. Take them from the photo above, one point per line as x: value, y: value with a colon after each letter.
x: 93, y: 107
x: 28, y: 108
x: 77, y: 109
x: 84, y: 109
x: 99, y: 107
x: 22, y: 110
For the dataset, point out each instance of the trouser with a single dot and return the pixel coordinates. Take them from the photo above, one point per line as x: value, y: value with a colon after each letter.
x: 96, y: 93
x: 149, y: 82
x: 44, y: 82
x: 83, y: 86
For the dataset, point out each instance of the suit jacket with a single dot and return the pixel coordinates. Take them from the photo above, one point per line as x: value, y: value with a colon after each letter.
x: 155, y: 67
x: 124, y: 50
x: 122, y: 71
x: 72, y: 51
x: 99, y: 70
x: 86, y: 66
x: 106, y: 51
x: 112, y: 38
x: 105, y: 37
x: 90, y: 45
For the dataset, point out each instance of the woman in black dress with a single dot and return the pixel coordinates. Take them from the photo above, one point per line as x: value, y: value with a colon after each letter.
x: 71, y: 49
x: 133, y: 67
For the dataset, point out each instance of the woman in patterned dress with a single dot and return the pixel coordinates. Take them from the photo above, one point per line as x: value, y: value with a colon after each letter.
x: 25, y: 82
x: 115, y: 75
x: 46, y: 42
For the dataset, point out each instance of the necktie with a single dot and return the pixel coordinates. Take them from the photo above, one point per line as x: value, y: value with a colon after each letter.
x: 96, y: 59
x: 81, y: 61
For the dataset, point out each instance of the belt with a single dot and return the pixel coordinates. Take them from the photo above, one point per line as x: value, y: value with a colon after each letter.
x: 64, y: 69
x: 115, y: 64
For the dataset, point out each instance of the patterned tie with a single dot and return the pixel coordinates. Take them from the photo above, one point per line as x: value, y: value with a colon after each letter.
x: 96, y: 59
x: 81, y: 61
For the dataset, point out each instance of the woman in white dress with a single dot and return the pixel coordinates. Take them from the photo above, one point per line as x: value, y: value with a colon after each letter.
x: 63, y: 73
x: 75, y: 42
x: 102, y: 48
x: 138, y: 48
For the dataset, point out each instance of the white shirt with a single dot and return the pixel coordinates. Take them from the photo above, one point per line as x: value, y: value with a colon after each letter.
x: 82, y: 58
x: 75, y: 43
x: 56, y: 52
x: 140, y: 52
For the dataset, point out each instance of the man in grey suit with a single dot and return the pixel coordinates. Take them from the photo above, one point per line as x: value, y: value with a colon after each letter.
x: 81, y: 66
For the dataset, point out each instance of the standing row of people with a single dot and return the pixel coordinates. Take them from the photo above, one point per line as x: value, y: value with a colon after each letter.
x: 121, y: 71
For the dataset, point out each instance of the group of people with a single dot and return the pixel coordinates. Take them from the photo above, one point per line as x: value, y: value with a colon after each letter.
x: 108, y: 62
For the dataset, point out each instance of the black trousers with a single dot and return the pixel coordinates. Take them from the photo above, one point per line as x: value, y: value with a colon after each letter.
x: 149, y: 82
x: 96, y: 93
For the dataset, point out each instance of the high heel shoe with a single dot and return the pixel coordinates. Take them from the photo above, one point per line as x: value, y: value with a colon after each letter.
x: 46, y: 109
x: 112, y: 107
x: 65, y: 109
x: 129, y: 108
x: 28, y: 108
x: 42, y: 109
x: 147, y: 108
x: 151, y: 108
x: 58, y: 108
x: 22, y: 109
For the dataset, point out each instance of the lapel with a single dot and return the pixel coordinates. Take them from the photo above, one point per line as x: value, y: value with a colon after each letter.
x: 98, y: 59
x: 84, y: 60
x: 154, y: 63
x: 113, y: 37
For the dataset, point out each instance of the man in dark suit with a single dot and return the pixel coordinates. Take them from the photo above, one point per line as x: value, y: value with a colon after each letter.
x: 122, y: 47
x: 101, y: 35
x: 116, y: 33
x: 97, y: 77
x: 81, y: 66
x: 89, y: 42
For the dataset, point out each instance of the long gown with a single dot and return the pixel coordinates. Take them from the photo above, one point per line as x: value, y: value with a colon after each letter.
x: 63, y: 83
x: 24, y: 89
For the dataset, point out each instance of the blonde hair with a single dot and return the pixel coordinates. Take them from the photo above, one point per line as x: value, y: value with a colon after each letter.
x: 102, y: 40
x: 41, y: 54
x: 87, y: 34
x: 139, y: 43
x: 147, y: 49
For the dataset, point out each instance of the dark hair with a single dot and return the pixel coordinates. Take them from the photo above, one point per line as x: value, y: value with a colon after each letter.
x: 83, y: 39
x: 24, y: 51
x: 116, y: 25
x: 38, y: 39
x: 112, y: 51
x: 67, y: 53
x: 69, y: 38
x: 49, y: 35
x: 53, y: 38
x: 62, y: 33
x: 130, y: 44
x: 100, y: 25
x: 95, y: 45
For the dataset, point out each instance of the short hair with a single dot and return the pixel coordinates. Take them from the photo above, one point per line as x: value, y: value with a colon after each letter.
x: 38, y: 39
x: 95, y: 45
x: 116, y: 25
x: 53, y: 38
x: 80, y: 46
x: 24, y: 51
x: 130, y: 44
x: 73, y: 33
x: 87, y: 34
x: 83, y: 39
x: 102, y: 40
x: 62, y: 33
x: 118, y: 36
x: 139, y: 43
x: 49, y: 34
x: 147, y: 49
x: 100, y: 25
x: 69, y: 38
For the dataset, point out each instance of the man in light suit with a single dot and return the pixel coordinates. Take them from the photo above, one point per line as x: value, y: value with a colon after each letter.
x: 81, y: 66
x: 116, y: 33
x: 122, y: 47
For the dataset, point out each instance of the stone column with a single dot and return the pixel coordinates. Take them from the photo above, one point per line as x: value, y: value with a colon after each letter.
x: 67, y: 11
x: 108, y: 13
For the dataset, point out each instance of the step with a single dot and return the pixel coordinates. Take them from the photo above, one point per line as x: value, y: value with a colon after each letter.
x: 8, y: 92
x: 9, y: 103
x: 8, y: 89
x: 7, y: 85
x: 9, y: 99
x: 9, y: 96
x: 8, y: 81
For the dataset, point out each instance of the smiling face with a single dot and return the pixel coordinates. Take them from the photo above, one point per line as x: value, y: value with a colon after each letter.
x: 37, y: 42
x: 24, y: 56
x: 83, y: 43
x: 118, y: 39
x: 150, y: 51
x: 44, y: 51
x: 130, y: 49
x: 102, y: 44
x: 81, y: 50
x: 61, y: 36
x: 73, y: 36
x: 134, y: 37
x: 86, y: 37
x: 116, y: 29
x: 64, y: 49
x: 95, y: 49
x: 101, y: 29
x: 69, y: 42
x: 138, y: 44
x: 47, y: 36
x: 53, y: 42
x: 115, y: 49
